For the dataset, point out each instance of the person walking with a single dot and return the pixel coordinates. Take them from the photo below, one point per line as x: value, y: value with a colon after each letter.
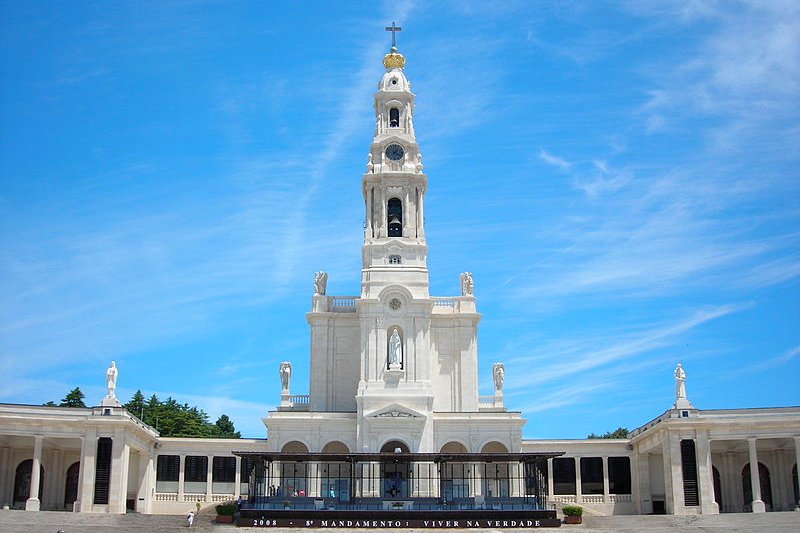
x: 190, y: 518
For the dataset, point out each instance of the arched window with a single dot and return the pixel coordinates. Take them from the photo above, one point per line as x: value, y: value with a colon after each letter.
x: 395, y: 259
x: 394, y: 213
x: 394, y: 118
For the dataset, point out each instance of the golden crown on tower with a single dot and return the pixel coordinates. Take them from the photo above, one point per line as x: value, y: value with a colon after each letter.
x: 394, y: 59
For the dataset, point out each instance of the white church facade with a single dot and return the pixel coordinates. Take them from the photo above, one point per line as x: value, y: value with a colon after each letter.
x: 394, y: 370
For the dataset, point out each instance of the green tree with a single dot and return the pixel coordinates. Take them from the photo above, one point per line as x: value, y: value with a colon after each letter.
x: 51, y: 403
x: 74, y: 398
x: 225, y: 428
x: 136, y: 405
x: 619, y: 433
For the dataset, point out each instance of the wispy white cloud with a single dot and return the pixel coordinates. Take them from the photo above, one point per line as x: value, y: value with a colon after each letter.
x: 555, y: 361
x: 554, y: 160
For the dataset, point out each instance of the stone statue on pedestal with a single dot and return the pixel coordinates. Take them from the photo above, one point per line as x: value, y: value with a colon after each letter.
x: 499, y: 376
x: 111, y: 380
x: 395, y: 351
x: 285, y: 372
x: 681, y: 402
x: 320, y: 283
x: 680, y: 383
x: 467, y: 284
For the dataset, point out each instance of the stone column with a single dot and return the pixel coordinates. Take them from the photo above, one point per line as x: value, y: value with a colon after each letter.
x: 550, y: 489
x: 144, y: 495
x: 237, y: 479
x: 797, y: 462
x: 675, y: 477
x: 181, y: 475
x: 210, y: 479
x: 33, y: 503
x: 758, y: 505
x: 118, y: 482
x: 705, y: 474
x: 57, y: 480
x: 578, y: 488
x: 637, y: 492
x: 86, y: 474
x: 606, y: 488
x: 5, y: 474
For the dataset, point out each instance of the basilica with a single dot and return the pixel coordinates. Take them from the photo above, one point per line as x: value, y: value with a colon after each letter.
x: 393, y: 420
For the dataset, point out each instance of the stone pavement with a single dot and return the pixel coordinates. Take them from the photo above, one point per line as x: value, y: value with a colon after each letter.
x: 52, y: 522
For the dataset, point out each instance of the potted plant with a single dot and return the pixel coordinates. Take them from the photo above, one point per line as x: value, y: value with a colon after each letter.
x: 225, y: 512
x: 573, y: 514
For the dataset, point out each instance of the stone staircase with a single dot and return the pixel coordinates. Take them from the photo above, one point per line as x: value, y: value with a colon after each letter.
x: 54, y: 521
x: 781, y: 522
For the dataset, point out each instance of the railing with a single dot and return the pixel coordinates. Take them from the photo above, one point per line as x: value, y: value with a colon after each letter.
x: 299, y: 398
x: 486, y: 400
x: 592, y: 499
x: 621, y: 498
x: 343, y: 304
x: 564, y: 498
x: 173, y: 497
x: 444, y: 302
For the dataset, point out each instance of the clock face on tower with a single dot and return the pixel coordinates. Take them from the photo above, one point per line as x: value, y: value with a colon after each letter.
x: 395, y: 152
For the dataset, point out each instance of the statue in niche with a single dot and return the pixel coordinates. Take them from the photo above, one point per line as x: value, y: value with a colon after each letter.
x: 320, y: 283
x: 395, y: 351
x: 286, y: 374
x: 467, y: 284
x: 111, y: 379
x: 419, y: 162
x: 680, y: 383
x: 499, y: 375
x: 370, y: 165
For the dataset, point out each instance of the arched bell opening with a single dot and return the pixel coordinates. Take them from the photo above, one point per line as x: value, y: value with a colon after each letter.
x: 394, y: 213
x: 394, y: 118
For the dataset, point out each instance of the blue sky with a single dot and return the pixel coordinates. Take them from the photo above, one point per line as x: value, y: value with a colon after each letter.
x: 621, y: 178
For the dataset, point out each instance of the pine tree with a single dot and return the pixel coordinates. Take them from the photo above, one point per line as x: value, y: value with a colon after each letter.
x: 74, y: 398
x: 136, y: 405
x: 225, y: 428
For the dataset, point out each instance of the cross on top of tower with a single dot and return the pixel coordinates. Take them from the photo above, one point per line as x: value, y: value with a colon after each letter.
x: 393, y: 29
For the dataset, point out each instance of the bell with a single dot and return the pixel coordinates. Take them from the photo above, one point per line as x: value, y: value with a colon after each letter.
x: 394, y: 220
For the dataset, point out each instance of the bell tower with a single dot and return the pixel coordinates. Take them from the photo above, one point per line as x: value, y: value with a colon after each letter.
x: 394, y: 250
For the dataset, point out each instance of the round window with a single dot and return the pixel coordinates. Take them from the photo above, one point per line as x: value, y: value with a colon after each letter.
x: 395, y: 304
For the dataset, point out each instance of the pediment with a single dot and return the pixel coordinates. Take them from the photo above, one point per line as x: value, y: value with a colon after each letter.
x: 395, y: 410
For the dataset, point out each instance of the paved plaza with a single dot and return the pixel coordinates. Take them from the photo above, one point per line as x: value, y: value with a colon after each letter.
x: 53, y: 522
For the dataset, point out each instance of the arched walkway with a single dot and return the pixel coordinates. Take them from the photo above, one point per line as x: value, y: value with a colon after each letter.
x: 71, y: 486
x: 335, y: 477
x: 495, y: 475
x: 294, y: 475
x: 22, y: 481
x: 395, y: 475
x: 717, y: 488
x: 455, y: 477
x: 764, y: 481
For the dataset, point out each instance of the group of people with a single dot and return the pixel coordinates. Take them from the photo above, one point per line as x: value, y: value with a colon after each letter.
x: 277, y: 490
